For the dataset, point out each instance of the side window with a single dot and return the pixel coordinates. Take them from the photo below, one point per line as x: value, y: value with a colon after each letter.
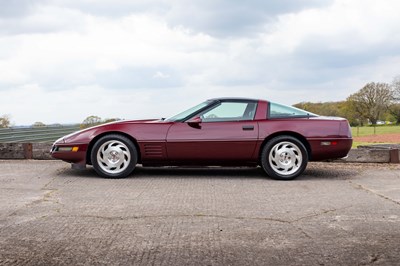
x: 282, y: 111
x: 230, y: 111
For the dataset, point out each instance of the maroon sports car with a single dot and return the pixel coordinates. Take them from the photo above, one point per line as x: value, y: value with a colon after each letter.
x: 218, y: 132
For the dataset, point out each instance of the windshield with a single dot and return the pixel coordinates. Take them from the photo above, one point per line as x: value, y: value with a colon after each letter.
x: 185, y: 114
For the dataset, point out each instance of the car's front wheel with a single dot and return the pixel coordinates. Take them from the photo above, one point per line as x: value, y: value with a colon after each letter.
x: 284, y: 158
x: 114, y: 156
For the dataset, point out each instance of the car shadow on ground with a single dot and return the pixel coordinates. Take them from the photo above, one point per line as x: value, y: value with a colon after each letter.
x: 173, y: 172
x: 311, y: 172
x: 328, y: 174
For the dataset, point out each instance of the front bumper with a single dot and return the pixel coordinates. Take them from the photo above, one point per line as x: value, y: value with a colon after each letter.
x: 74, y: 153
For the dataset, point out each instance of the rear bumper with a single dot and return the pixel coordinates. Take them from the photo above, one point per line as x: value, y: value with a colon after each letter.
x: 339, y: 148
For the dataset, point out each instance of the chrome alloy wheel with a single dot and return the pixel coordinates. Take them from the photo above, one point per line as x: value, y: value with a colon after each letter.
x: 285, y: 158
x: 113, y: 157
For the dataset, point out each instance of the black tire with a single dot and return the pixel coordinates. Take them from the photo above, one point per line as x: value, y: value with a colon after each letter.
x: 284, y: 158
x: 114, y: 156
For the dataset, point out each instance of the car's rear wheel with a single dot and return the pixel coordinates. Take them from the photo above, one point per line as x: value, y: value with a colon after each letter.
x: 284, y: 158
x: 114, y: 156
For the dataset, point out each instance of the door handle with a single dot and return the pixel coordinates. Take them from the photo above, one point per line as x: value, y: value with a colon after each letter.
x: 248, y: 127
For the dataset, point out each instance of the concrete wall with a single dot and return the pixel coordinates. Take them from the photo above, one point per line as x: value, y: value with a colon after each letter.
x: 368, y: 156
x: 12, y: 151
x: 384, y: 153
x: 39, y: 151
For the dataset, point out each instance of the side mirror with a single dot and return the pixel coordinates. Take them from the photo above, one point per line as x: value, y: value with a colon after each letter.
x: 195, y: 122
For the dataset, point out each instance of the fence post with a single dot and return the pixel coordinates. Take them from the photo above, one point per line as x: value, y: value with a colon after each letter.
x: 394, y: 156
x: 28, y: 154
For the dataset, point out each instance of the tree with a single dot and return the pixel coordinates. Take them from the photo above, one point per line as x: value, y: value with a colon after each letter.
x: 5, y: 121
x: 371, y: 101
x: 346, y: 110
x: 394, y: 108
x: 396, y: 88
x: 90, y: 121
x: 325, y: 108
x: 38, y: 124
x: 108, y: 120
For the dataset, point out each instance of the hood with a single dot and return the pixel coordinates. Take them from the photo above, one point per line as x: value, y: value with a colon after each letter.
x: 136, y: 121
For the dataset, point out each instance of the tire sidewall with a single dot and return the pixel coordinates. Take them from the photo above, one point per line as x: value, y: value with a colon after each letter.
x: 265, y: 164
x: 127, y: 142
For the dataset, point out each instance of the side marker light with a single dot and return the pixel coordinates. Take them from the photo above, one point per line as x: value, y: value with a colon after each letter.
x: 329, y: 143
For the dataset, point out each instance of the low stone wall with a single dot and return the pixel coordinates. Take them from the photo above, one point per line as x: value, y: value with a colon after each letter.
x: 12, y: 151
x: 41, y: 151
x: 378, y: 153
x: 372, y: 156
x: 38, y: 151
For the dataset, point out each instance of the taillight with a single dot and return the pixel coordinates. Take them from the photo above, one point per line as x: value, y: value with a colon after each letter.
x: 345, y: 129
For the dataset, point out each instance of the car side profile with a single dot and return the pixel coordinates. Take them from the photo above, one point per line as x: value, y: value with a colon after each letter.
x: 218, y: 132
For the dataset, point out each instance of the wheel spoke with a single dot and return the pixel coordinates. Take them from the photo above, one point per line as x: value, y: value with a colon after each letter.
x: 285, y: 158
x: 113, y: 156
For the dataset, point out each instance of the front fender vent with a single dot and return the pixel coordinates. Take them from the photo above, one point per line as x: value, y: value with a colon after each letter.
x: 153, y: 150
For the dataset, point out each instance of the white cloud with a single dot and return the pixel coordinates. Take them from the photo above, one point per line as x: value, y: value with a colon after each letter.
x: 161, y: 75
x: 88, y: 57
x: 346, y: 25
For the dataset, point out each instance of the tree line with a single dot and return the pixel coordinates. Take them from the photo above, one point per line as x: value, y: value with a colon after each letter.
x: 372, y: 103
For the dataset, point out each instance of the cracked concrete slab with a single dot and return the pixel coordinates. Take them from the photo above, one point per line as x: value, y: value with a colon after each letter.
x: 387, y: 186
x: 335, y: 214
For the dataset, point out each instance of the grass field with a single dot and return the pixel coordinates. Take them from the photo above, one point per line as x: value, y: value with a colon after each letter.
x: 379, y: 134
x: 379, y: 130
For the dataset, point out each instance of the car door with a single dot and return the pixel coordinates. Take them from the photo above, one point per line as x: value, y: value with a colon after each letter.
x: 224, y: 133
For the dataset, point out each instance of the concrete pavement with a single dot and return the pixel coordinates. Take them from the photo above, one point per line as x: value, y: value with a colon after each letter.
x: 334, y: 214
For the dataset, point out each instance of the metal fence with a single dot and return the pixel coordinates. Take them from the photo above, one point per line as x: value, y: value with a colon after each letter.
x: 47, y: 134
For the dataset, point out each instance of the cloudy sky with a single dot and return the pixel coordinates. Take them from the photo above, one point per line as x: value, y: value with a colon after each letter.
x: 63, y: 60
